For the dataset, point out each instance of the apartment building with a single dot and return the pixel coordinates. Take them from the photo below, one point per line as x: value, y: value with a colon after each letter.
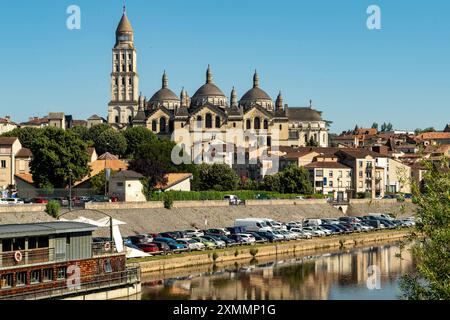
x: 9, y: 147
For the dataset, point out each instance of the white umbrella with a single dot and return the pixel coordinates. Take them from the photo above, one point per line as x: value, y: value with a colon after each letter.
x: 134, y: 253
x: 88, y: 221
x: 105, y: 222
x: 117, y: 236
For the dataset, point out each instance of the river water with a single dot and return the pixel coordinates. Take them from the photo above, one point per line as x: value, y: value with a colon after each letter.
x: 340, y: 275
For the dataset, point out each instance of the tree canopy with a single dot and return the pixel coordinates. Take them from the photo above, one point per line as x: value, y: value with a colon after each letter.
x: 58, y: 157
x: 432, y: 252
x: 295, y: 179
x: 217, y: 177
x: 26, y: 135
x: 136, y: 136
x: 111, y: 141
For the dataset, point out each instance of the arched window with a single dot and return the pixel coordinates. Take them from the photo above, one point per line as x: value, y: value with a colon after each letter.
x: 248, y: 124
x: 154, y: 126
x: 171, y: 125
x: 130, y: 119
x: 266, y: 124
x: 199, y: 121
x: 217, y: 122
x: 116, y: 119
x: 269, y: 141
x: 208, y: 121
x: 257, y: 125
x: 162, y: 125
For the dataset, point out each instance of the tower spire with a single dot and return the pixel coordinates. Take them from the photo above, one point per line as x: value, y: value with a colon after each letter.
x: 234, y: 101
x: 165, y: 80
x: 256, y: 79
x: 279, y: 102
x: 209, y: 75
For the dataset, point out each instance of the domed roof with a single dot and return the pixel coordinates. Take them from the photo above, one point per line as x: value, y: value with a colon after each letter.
x: 209, y: 88
x: 164, y: 94
x: 256, y: 93
x: 304, y: 114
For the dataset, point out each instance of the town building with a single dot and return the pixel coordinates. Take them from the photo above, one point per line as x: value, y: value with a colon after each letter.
x: 126, y: 186
x: 94, y: 120
x: 9, y: 148
x: 176, y: 182
x: 6, y: 125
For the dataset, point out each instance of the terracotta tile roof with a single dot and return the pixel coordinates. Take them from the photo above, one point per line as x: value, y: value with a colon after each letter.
x: 82, y: 123
x: 173, y: 179
x: 100, y: 165
x: 360, y: 153
x: 24, y: 153
x: 27, y: 177
x: 7, y: 141
x: 108, y: 156
x: 434, y: 135
x: 326, y: 165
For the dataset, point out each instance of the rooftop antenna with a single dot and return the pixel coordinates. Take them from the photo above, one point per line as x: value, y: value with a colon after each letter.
x: 310, y: 103
x: 124, y: 7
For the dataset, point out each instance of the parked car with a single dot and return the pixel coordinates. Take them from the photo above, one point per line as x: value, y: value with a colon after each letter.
x: 138, y: 239
x: 275, y: 225
x: 333, y: 228
x: 163, y: 246
x: 312, y: 222
x: 246, y: 238
x: 172, y: 234
x: 192, y: 244
x: 228, y: 241
x: 289, y: 235
x: 259, y: 238
x: 208, y: 244
x: 148, y: 247
x: 40, y: 200
x: 315, y: 232
x: 251, y: 224
x: 303, y: 234
x: 270, y: 236
x: 173, y: 245
x: 236, y: 230
x: 13, y: 201
x: 217, y: 241
x: 193, y: 233
x: 218, y: 231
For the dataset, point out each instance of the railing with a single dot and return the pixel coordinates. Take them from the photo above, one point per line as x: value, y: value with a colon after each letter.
x: 63, y: 288
x: 27, y: 257
x: 103, y: 248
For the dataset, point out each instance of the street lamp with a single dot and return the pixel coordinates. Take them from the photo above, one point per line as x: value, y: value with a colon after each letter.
x: 106, y: 182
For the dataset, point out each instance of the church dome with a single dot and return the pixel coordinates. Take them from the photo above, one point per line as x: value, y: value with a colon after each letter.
x: 165, y: 97
x: 209, y: 92
x: 257, y: 96
x: 304, y: 114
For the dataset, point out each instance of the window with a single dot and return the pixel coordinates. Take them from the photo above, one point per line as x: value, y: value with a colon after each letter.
x: 18, y: 244
x: 123, y: 81
x: 35, y: 276
x: 120, y: 184
x: 3, y: 164
x: 281, y: 127
x: 116, y: 57
x: 257, y: 123
x: 47, y: 275
x: 360, y: 174
x: 21, y: 279
x: 331, y: 183
x: 234, y: 124
x: 107, y: 266
x: 37, y: 242
x: 123, y: 68
x: 319, y: 184
x: 129, y: 56
x: 7, y: 245
x: 6, y: 281
x: 199, y: 121
x: 340, y: 184
x: 154, y: 126
x: 208, y: 121
x: 116, y: 119
x: 331, y: 174
x: 217, y: 122
x: 248, y: 124
x: 123, y: 56
x: 162, y: 125
x: 130, y: 68
x: 360, y: 163
x: 266, y: 125
x: 319, y: 173
x: 61, y: 273
x: 340, y: 174
x: 269, y: 141
x: 116, y: 82
x: 360, y: 185
x: 130, y: 81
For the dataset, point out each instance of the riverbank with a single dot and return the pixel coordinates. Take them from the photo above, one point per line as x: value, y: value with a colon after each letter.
x: 234, y: 254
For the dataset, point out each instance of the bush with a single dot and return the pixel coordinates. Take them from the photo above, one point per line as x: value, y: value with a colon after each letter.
x: 363, y: 195
x: 168, y: 201
x: 253, y: 252
x: 53, y: 209
x: 218, y: 195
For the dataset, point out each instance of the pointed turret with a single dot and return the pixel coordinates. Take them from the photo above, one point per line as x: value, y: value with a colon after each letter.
x: 234, y: 99
x: 279, y: 102
x: 209, y: 75
x: 124, y: 32
x: 256, y: 80
x: 165, y: 80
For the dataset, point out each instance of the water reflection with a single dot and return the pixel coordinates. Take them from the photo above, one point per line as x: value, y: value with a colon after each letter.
x: 339, y: 275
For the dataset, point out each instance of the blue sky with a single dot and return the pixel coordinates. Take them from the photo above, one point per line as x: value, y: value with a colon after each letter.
x: 319, y: 50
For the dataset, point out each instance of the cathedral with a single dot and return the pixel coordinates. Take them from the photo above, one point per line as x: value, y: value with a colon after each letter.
x: 209, y: 109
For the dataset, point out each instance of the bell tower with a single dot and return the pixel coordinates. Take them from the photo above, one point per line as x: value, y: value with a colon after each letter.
x: 124, y: 103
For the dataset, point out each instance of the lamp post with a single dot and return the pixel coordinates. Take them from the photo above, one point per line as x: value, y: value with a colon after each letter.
x: 106, y: 182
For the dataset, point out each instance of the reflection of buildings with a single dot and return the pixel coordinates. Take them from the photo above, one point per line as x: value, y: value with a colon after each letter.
x: 307, y: 280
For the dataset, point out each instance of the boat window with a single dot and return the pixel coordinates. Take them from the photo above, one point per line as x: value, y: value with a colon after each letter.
x: 48, y: 275
x: 37, y: 242
x: 7, y: 245
x: 107, y: 266
x: 62, y: 273
x: 19, y: 244
x: 35, y: 276
x: 21, y: 279
x: 6, y: 281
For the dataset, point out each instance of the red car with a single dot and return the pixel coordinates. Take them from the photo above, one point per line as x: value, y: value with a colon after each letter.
x: 148, y: 247
x: 40, y: 200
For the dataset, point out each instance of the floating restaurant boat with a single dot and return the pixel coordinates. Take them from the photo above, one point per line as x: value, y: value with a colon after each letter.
x: 60, y: 260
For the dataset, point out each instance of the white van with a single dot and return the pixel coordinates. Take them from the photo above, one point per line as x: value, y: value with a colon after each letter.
x: 254, y: 225
x: 312, y: 222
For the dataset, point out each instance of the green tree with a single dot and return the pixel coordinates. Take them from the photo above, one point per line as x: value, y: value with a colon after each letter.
x: 95, y: 131
x: 82, y: 132
x: 111, y: 141
x: 58, y: 157
x: 312, y: 143
x: 136, y: 136
x: 272, y: 183
x: 98, y: 182
x: 217, y: 177
x: 26, y: 135
x: 295, y: 179
x: 375, y: 125
x: 432, y: 251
